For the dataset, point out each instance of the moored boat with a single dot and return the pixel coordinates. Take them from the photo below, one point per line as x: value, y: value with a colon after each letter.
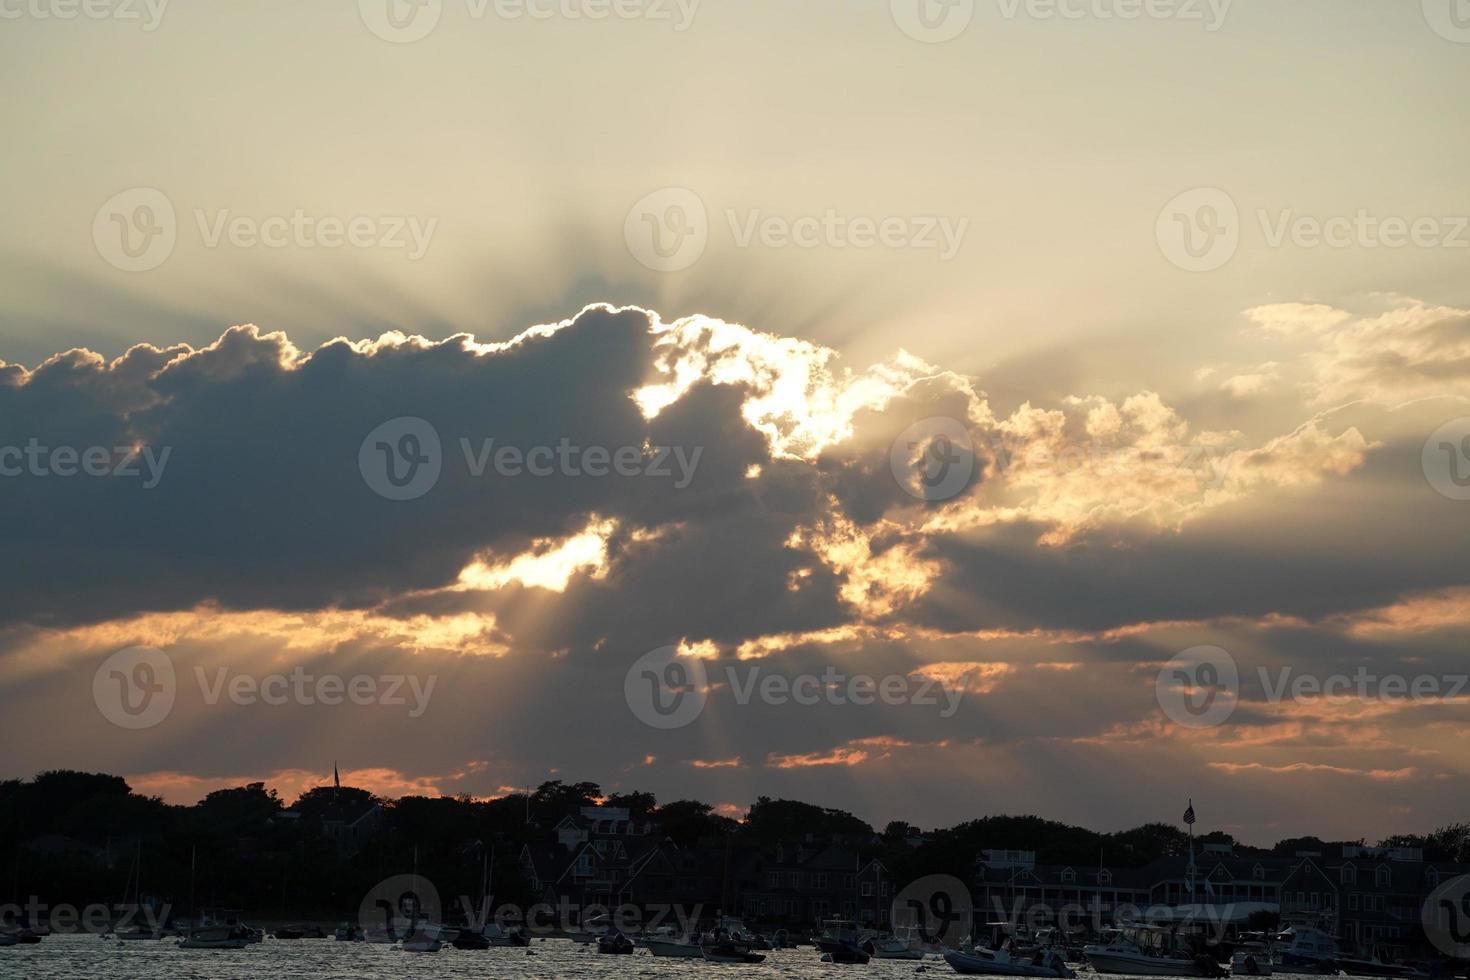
x: 893, y: 948
x: 666, y: 941
x: 1120, y: 954
x: 1000, y: 962
x: 217, y: 929
x: 498, y: 936
x: 1251, y: 959
x: 728, y: 951
x: 1302, y: 948
x: 469, y: 939
x: 614, y: 942
x: 842, y: 941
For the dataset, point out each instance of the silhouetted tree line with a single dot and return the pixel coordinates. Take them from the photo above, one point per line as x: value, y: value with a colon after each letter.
x: 74, y: 837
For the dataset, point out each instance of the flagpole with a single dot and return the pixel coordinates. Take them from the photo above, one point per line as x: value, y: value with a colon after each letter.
x: 1189, y: 871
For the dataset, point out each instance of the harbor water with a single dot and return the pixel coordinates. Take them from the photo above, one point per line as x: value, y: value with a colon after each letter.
x: 69, y: 957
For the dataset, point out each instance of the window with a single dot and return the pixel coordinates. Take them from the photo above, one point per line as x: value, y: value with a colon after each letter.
x: 1258, y: 872
x: 795, y: 879
x: 1353, y: 902
x: 848, y: 881
x: 773, y: 879
x: 867, y: 889
x: 1381, y: 876
x: 1105, y: 877
x: 819, y: 879
x: 1349, y: 874
x: 1068, y: 875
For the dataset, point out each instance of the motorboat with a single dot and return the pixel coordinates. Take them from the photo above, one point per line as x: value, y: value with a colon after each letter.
x: 214, y: 937
x: 469, y: 939
x: 217, y: 929
x: 728, y: 942
x: 1305, y: 949
x: 1002, y: 962
x: 842, y: 941
x: 347, y: 932
x: 1251, y: 959
x: 893, y: 948
x: 498, y: 936
x: 1120, y: 954
x: 667, y: 941
x: 614, y: 942
x: 729, y: 951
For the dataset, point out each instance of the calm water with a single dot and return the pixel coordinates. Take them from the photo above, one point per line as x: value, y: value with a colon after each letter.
x: 72, y: 957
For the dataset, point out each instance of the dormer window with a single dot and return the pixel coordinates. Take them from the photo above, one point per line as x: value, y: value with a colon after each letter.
x: 1068, y: 875
x: 1382, y: 876
x: 1431, y: 877
x: 1104, y: 877
x: 1259, y: 873
x: 1349, y: 874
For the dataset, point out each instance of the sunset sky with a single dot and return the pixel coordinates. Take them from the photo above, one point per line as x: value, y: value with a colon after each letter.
x: 1186, y: 294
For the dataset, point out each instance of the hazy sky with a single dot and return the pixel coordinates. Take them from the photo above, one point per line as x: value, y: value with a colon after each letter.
x: 1188, y: 277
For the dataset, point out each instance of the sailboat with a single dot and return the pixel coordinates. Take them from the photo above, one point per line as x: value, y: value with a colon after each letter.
x: 135, y: 879
x: 468, y: 938
x: 419, y: 939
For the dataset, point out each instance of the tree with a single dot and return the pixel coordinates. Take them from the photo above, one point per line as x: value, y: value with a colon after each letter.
x: 771, y: 820
x: 897, y: 831
x: 638, y: 804
x: 321, y: 801
x: 686, y: 821
x: 555, y: 799
x: 240, y: 809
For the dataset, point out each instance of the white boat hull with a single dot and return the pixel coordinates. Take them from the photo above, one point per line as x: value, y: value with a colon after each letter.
x: 973, y: 964
x: 672, y: 948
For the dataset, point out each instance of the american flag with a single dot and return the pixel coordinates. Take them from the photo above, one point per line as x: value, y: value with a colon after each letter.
x: 1189, y: 813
